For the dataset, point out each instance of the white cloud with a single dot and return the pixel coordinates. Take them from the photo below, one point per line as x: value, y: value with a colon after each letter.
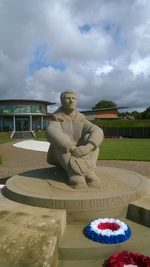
x: 117, y: 44
x: 105, y: 69
x: 140, y: 66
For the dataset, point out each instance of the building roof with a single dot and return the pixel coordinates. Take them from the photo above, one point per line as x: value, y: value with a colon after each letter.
x: 95, y: 111
x: 25, y: 101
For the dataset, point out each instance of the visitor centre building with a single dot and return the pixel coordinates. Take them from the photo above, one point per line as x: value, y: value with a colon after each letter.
x: 23, y: 115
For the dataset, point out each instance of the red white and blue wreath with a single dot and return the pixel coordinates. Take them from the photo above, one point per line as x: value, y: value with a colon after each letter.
x: 108, y: 231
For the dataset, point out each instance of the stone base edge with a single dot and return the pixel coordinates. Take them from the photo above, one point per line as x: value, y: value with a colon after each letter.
x: 138, y: 214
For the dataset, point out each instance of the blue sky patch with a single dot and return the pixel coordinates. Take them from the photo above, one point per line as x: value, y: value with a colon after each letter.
x: 40, y: 61
x: 85, y: 28
x: 115, y: 31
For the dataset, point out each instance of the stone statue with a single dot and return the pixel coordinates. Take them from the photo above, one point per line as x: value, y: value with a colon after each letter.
x: 74, y: 143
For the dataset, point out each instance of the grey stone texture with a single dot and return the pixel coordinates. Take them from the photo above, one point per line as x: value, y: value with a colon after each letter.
x: 74, y: 143
x: 48, y: 187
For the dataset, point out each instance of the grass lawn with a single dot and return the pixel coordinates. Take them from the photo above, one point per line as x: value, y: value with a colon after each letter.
x: 4, y: 137
x: 40, y: 136
x: 125, y: 149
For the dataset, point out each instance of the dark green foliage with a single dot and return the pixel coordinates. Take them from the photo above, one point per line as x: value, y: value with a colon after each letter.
x: 104, y: 104
x: 40, y: 135
x: 130, y: 115
x: 146, y: 114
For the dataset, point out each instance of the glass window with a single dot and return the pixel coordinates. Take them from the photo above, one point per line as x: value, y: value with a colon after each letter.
x: 8, y: 124
x: 45, y: 123
x: 6, y: 109
x: 36, y: 123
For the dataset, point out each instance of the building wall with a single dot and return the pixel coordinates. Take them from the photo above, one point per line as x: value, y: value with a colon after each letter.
x: 22, y: 123
x: 106, y: 114
x: 23, y: 115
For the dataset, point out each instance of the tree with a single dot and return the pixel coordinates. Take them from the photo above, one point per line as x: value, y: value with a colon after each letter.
x: 134, y: 114
x: 104, y: 104
x: 146, y: 114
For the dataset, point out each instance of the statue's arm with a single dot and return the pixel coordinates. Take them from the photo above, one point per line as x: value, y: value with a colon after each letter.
x: 95, y: 133
x: 95, y: 138
x: 57, y: 137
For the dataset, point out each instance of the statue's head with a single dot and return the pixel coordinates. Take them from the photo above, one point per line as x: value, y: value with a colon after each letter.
x: 68, y: 100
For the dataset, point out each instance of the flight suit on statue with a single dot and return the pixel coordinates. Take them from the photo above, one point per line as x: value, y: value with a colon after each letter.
x: 74, y: 145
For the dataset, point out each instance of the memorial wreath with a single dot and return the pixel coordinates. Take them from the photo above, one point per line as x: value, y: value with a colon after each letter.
x: 107, y: 231
x: 128, y: 259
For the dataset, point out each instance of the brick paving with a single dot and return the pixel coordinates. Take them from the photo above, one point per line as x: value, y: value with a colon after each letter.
x: 16, y: 160
x: 140, y: 167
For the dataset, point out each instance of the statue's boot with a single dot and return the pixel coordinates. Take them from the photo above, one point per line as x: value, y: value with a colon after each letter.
x: 77, y: 181
x: 92, y: 179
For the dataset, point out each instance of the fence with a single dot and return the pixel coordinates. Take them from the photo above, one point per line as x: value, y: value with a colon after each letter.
x: 126, y: 132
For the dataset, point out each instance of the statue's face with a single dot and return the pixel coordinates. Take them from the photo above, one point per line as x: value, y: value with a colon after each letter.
x: 69, y: 101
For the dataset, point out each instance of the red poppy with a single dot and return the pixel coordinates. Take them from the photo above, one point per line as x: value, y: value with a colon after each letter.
x: 125, y: 258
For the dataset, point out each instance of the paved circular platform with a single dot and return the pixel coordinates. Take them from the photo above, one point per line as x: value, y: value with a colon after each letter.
x: 48, y: 187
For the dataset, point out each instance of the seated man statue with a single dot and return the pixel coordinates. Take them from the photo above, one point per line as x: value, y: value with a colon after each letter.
x: 74, y: 143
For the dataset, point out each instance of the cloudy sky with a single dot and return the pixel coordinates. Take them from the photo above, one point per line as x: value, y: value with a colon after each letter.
x: 99, y: 48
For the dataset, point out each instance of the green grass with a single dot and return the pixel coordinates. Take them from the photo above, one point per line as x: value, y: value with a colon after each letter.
x: 125, y: 149
x: 40, y: 136
x: 4, y: 137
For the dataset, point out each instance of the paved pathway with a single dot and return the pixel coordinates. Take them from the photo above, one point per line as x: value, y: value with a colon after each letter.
x: 16, y: 160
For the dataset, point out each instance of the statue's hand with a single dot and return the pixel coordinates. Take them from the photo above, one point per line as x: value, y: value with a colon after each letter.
x: 82, y: 150
x: 72, y: 149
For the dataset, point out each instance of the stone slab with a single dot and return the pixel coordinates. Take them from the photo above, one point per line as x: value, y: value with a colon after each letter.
x: 139, y: 211
x: 49, y: 188
x: 29, y: 235
x: 86, y: 263
x: 75, y: 246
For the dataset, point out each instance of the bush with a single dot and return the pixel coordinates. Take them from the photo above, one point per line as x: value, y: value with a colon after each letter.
x: 4, y: 137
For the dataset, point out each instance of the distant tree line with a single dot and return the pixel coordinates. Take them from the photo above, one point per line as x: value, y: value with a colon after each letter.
x: 136, y: 115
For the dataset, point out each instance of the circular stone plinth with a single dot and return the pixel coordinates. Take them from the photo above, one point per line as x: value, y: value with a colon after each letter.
x: 49, y: 188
